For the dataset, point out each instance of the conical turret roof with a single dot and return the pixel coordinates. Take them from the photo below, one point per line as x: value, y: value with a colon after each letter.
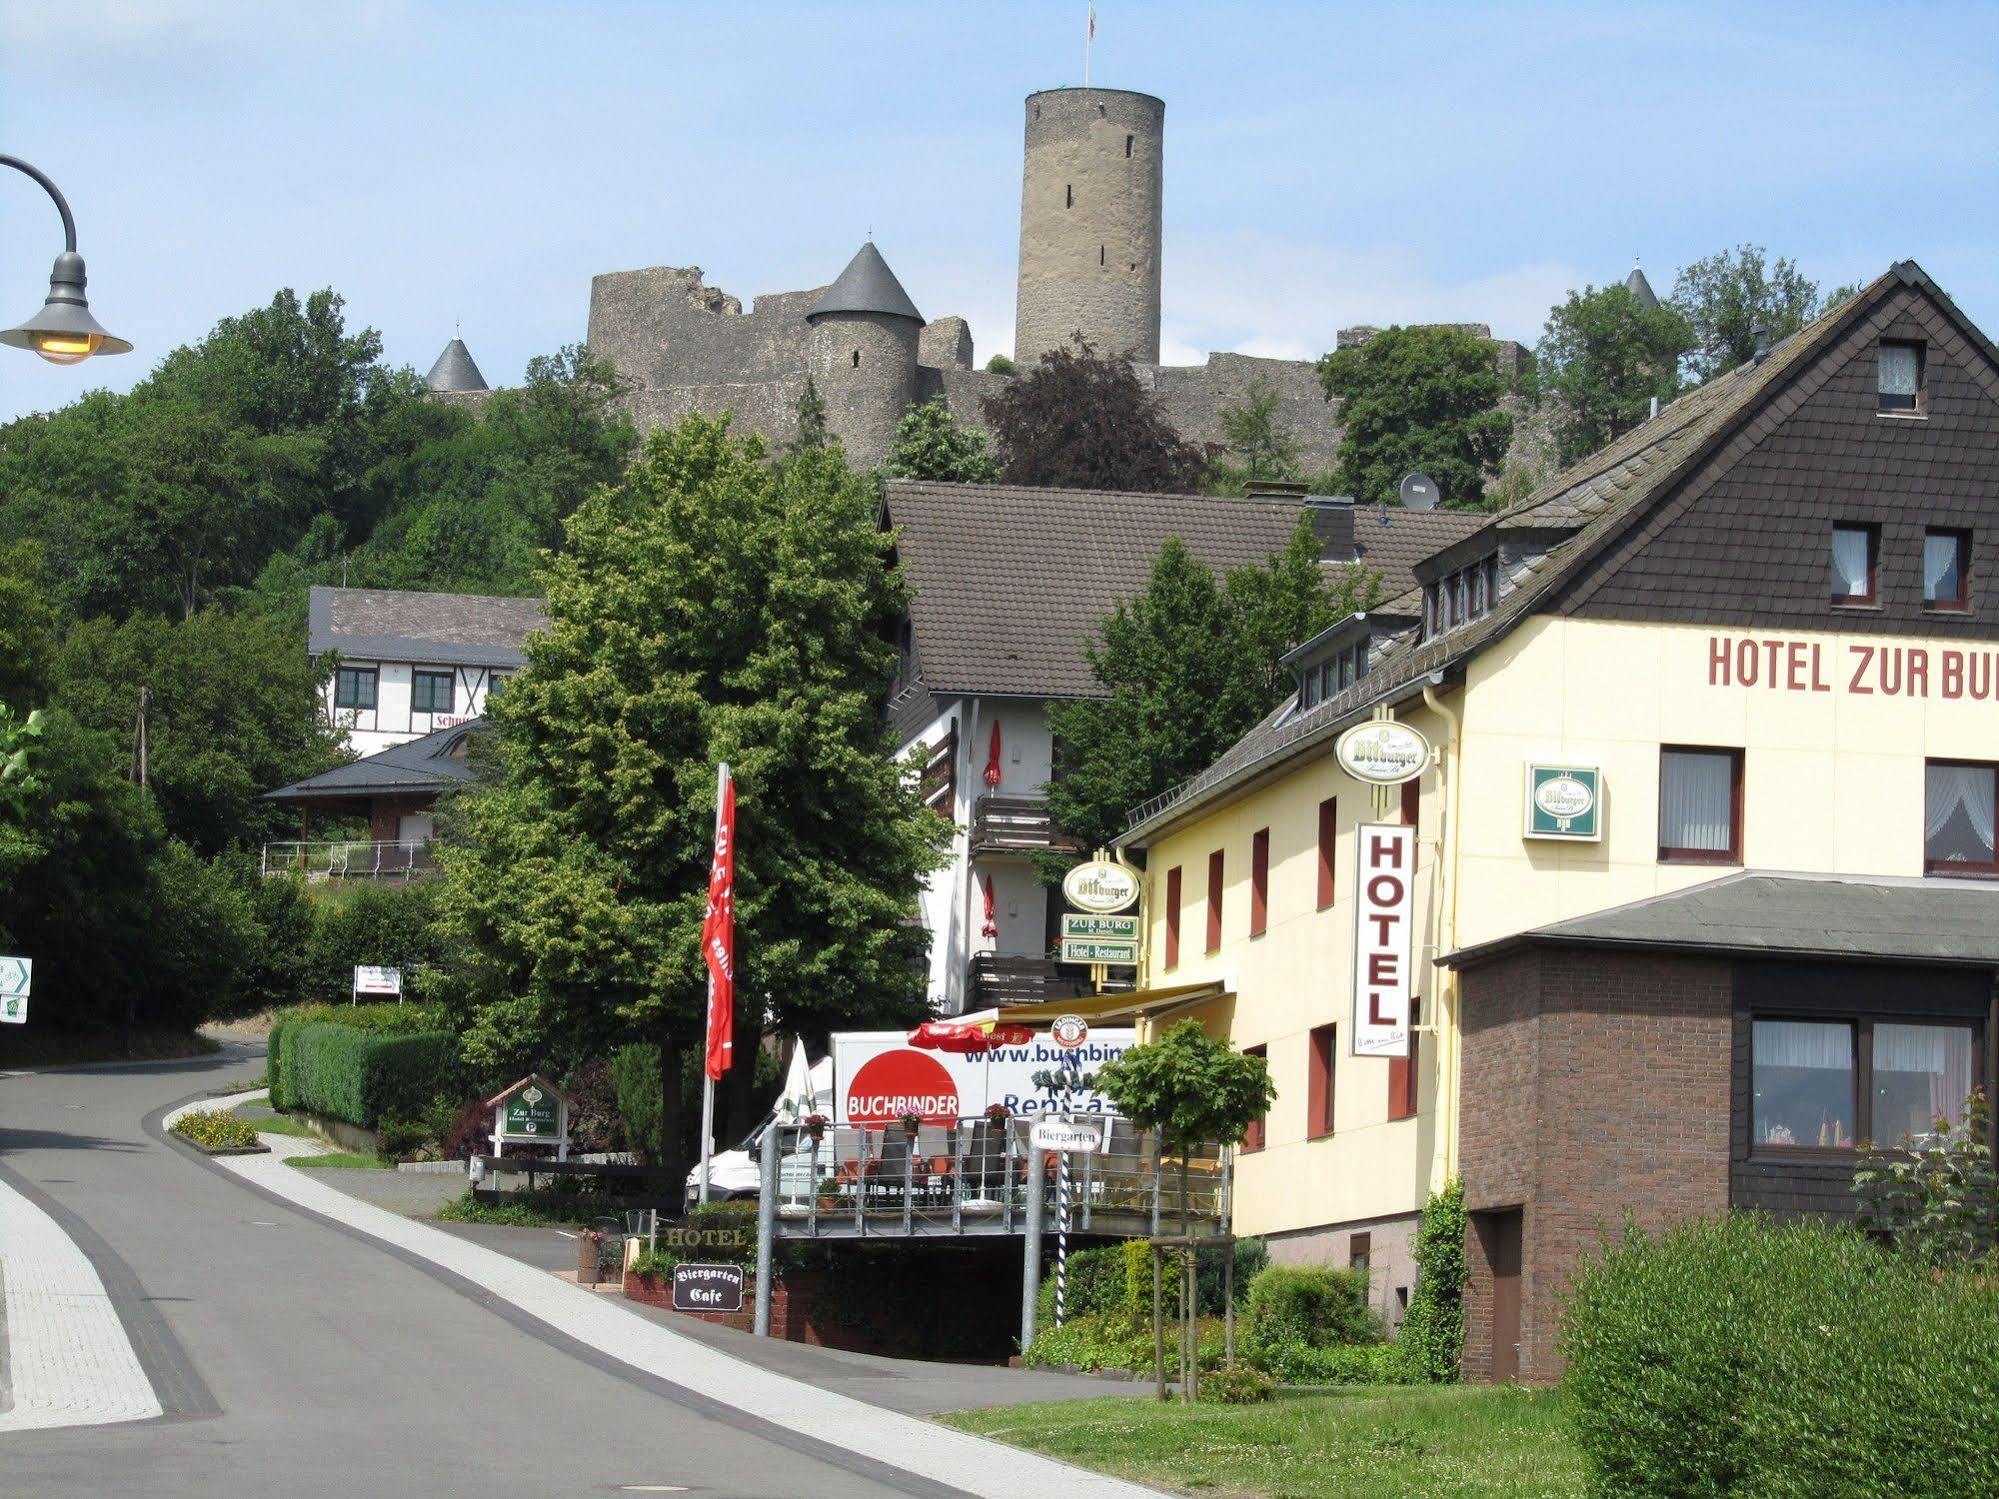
x: 454, y: 370
x: 866, y: 285
x: 1639, y: 287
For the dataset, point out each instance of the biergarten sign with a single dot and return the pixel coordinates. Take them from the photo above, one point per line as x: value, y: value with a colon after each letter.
x: 1100, y: 886
x: 1382, y: 752
x: 1565, y: 803
x: 1081, y: 1136
x: 708, y: 1288
x: 1384, y: 918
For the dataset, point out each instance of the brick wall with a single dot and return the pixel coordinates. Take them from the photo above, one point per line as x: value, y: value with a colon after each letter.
x: 1596, y: 1084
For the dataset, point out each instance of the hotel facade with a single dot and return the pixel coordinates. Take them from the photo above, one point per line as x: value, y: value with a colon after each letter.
x: 1704, y: 835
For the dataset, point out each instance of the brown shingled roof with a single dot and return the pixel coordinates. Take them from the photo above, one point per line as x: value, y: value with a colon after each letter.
x: 1012, y: 582
x: 1392, y: 540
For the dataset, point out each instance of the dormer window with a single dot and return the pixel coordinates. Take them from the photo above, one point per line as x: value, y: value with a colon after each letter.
x: 1899, y: 378
x: 1330, y: 662
x: 1459, y: 597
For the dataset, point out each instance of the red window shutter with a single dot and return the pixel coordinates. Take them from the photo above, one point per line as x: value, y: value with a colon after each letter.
x: 1412, y: 801
x: 1173, y: 916
x: 1253, y: 1137
x: 1402, y: 1071
x: 1259, y: 882
x: 1215, y: 901
x: 1329, y: 825
x: 1319, y: 1095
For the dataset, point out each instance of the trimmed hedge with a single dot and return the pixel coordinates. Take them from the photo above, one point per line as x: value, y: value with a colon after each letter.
x: 361, y: 1076
x: 1735, y: 1355
x: 1313, y: 1305
x: 1115, y: 1280
x: 385, y: 1020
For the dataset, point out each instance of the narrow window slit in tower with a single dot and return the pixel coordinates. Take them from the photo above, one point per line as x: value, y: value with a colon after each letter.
x: 857, y: 359
x: 1127, y: 147
x: 1100, y: 254
x: 1069, y: 195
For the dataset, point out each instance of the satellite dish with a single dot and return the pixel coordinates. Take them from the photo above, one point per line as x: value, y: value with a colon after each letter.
x: 1419, y: 492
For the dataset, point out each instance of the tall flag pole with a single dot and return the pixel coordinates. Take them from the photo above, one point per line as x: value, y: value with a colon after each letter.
x: 718, y: 947
x: 1089, y: 36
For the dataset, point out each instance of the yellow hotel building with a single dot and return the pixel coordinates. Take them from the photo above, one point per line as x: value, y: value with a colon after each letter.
x: 1754, y: 926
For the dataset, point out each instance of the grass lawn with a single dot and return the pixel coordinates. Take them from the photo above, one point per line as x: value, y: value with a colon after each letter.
x: 364, y: 1160
x: 275, y: 1124
x: 1379, y: 1443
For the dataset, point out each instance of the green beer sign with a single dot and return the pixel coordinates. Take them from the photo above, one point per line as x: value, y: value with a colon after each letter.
x: 531, y: 1112
x: 1565, y: 802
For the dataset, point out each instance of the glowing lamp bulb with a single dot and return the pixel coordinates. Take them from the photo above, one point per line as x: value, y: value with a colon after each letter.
x: 67, y: 348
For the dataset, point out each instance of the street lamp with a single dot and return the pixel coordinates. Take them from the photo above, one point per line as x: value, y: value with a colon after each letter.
x: 63, y: 332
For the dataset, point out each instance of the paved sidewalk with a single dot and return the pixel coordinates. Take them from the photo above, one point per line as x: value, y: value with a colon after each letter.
x: 938, y: 1453
x: 68, y: 1359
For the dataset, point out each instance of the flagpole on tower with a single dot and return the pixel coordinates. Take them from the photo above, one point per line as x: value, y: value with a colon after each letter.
x: 1089, y: 36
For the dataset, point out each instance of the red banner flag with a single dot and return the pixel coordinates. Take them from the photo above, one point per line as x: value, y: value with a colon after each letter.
x: 718, y: 934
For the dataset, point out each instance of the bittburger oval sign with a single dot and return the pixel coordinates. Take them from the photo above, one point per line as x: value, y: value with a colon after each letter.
x: 1564, y: 797
x: 1101, y: 886
x: 1382, y: 752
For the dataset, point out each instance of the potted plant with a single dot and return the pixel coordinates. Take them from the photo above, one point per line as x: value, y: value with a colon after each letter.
x: 997, y: 1115
x: 815, y: 1126
x: 911, y: 1122
x: 829, y: 1195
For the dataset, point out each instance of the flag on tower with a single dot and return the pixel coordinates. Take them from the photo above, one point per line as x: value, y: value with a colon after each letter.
x: 718, y: 932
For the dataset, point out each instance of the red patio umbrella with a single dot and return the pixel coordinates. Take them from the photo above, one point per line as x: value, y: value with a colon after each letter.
x: 991, y: 928
x: 993, y: 757
x: 970, y: 1039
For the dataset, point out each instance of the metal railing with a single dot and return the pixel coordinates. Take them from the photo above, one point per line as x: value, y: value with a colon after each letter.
x: 1019, y: 978
x: 1015, y: 824
x: 973, y: 1176
x: 351, y: 860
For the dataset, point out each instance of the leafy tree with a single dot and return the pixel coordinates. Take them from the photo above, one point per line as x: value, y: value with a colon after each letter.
x: 1257, y: 436
x: 1726, y: 296
x: 28, y: 626
x: 929, y: 444
x: 234, y: 710
x: 1605, y: 357
x: 711, y: 607
x: 1432, y: 1338
x: 1418, y: 399
x: 809, y: 432
x: 1080, y: 421
x: 1000, y: 364
x: 1188, y: 666
x: 1936, y: 1201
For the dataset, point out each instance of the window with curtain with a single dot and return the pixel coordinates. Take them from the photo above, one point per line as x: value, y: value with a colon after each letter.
x: 1853, y: 564
x: 354, y: 687
x: 1946, y: 555
x: 1899, y: 376
x: 1960, y: 818
x: 1698, y: 813
x: 1802, y: 1079
x: 1922, y: 1074
x: 433, y: 692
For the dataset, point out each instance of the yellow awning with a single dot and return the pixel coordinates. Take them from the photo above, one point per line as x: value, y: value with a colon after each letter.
x: 1152, y: 1003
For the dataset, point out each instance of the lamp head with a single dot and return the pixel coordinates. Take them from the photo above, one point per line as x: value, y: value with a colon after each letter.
x: 64, y: 332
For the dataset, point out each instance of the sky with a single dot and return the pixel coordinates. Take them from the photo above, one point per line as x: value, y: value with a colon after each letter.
x: 471, y: 165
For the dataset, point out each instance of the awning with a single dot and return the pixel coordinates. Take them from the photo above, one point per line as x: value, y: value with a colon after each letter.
x: 1152, y: 1004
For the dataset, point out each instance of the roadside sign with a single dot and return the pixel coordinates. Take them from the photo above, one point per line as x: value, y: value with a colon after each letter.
x: 1099, y: 928
x: 1083, y: 1136
x: 378, y: 980
x: 708, y: 1288
x: 1113, y: 954
x: 13, y: 1009
x: 17, y: 976
x: 1069, y: 1031
x: 531, y: 1112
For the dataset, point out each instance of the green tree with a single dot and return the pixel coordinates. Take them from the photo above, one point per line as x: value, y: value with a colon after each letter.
x: 1727, y: 296
x: 234, y: 709
x: 28, y: 626
x: 1605, y: 357
x: 809, y: 432
x: 929, y: 444
x: 711, y: 607
x: 1077, y: 420
x: 1257, y: 435
x: 1433, y: 1333
x: 1187, y: 668
x: 1418, y: 400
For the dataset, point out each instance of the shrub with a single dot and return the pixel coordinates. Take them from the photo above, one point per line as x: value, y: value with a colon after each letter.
x: 1239, y: 1384
x: 1734, y: 1355
x: 1337, y: 1363
x: 1314, y: 1306
x: 1938, y: 1200
x: 387, y: 1020
x: 383, y: 925
x: 1432, y: 1337
x: 361, y: 1076
x: 216, y: 1129
x: 1097, y: 1284
x: 1115, y: 1280
x: 1112, y: 1343
x: 635, y: 1082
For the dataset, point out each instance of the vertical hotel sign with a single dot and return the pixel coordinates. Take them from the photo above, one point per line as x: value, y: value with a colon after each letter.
x: 1384, y: 917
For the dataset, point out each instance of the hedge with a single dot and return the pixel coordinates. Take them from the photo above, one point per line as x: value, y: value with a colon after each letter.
x: 1113, y: 1280
x: 387, y: 1020
x: 1312, y: 1305
x: 361, y: 1076
x: 1737, y: 1356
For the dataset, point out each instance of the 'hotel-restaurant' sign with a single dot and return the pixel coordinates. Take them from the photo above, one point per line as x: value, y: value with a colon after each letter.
x: 1089, y: 938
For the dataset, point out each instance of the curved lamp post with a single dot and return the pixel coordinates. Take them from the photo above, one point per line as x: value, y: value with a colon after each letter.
x: 63, y: 332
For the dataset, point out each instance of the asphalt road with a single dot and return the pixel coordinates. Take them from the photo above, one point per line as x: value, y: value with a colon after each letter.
x: 300, y: 1359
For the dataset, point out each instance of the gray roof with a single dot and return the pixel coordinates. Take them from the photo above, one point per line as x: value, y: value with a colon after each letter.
x: 1011, y: 583
x: 451, y: 629
x: 1392, y: 539
x: 1639, y: 287
x: 866, y: 285
x: 454, y: 370
x: 1757, y: 913
x: 423, y: 765
x: 1596, y: 502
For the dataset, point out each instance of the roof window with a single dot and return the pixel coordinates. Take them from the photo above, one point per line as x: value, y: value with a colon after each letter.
x: 1898, y: 378
x: 1459, y: 597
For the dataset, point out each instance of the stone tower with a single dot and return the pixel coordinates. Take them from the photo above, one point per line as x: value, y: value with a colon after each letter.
x: 1089, y: 223
x: 863, y: 354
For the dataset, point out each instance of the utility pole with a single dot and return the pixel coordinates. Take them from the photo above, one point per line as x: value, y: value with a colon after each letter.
x: 139, y: 745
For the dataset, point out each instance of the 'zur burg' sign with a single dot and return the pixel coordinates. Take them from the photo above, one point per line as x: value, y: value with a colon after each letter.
x: 1384, y: 913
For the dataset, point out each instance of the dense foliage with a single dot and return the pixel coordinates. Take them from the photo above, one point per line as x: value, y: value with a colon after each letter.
x: 1734, y: 1355
x: 1192, y: 1088
x: 1603, y: 359
x: 1188, y: 666
x: 712, y: 607
x: 930, y: 444
x: 366, y: 1077
x: 1078, y: 420
x: 1432, y: 1337
x: 1725, y: 297
x: 1311, y: 1304
x: 1418, y: 400
x: 216, y: 1129
x: 1936, y: 1200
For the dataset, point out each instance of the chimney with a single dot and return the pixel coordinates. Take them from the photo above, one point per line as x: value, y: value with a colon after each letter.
x: 1761, y: 333
x: 1332, y: 523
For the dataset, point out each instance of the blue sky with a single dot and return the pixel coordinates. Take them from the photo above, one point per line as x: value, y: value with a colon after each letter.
x: 1325, y: 165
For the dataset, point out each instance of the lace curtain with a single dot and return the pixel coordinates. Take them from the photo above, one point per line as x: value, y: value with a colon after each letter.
x: 1696, y: 802
x: 1951, y: 788
x: 1940, y: 579
x: 1940, y: 1052
x: 1804, y: 1043
x: 1849, y: 564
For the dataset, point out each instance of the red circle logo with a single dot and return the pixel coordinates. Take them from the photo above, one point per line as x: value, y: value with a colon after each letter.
x: 886, y: 1087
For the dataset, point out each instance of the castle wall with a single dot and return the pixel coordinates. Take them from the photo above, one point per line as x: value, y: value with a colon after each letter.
x: 1193, y: 397
x: 1090, y: 196
x: 665, y: 326
x: 864, y: 364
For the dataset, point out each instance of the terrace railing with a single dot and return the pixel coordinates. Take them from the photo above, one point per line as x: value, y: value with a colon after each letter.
x: 351, y: 860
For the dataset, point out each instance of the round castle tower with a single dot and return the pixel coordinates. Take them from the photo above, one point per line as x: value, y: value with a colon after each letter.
x: 1090, y: 223
x: 863, y: 361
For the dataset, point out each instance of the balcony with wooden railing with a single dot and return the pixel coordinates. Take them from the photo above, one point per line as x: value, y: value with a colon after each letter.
x: 1016, y: 825
x: 1019, y: 979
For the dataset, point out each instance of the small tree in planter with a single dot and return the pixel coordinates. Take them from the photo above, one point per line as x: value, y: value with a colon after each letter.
x: 1193, y: 1090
